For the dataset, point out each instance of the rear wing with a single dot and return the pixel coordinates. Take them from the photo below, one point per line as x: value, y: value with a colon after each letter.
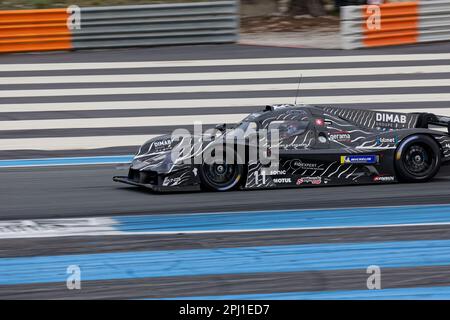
x: 426, y: 119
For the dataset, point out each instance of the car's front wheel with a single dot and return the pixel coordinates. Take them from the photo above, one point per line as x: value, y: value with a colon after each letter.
x: 417, y: 159
x: 218, y: 175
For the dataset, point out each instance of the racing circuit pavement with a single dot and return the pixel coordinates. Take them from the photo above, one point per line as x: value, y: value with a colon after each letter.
x: 46, y: 193
x: 132, y: 244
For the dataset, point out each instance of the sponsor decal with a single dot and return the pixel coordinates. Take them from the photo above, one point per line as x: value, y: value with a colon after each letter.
x: 381, y: 140
x: 282, y: 180
x: 294, y: 145
x: 163, y: 143
x: 384, y: 178
x: 298, y: 164
x: 342, y: 136
x: 309, y: 180
x: 390, y: 118
x: 356, y: 159
x: 171, y: 181
x: 277, y: 172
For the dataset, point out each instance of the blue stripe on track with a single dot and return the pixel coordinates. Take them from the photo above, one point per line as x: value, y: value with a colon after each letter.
x: 426, y: 293
x: 44, y: 162
x: 286, y: 258
x: 289, y: 219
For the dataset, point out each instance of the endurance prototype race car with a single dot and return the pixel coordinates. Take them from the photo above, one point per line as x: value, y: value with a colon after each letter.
x: 315, y: 145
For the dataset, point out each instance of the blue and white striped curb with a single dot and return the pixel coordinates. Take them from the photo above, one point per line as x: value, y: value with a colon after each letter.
x: 251, y: 221
x: 215, y: 261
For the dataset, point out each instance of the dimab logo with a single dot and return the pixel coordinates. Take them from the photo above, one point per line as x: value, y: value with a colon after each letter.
x: 163, y: 143
x: 390, y: 117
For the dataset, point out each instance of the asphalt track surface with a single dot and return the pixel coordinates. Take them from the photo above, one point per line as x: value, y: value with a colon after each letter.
x: 68, y: 192
x: 88, y: 191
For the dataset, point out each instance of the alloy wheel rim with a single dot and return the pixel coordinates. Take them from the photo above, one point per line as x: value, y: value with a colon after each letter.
x: 220, y: 174
x: 418, y: 160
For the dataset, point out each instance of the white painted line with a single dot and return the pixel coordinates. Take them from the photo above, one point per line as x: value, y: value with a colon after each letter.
x: 96, y: 142
x: 129, y: 122
x: 276, y: 74
x: 124, y: 122
x: 141, y: 90
x: 104, y: 227
x: 57, y: 228
x: 222, y: 62
x: 220, y: 103
x: 284, y: 229
x: 224, y: 88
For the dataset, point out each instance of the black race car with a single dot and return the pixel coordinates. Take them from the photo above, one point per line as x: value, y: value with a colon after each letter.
x: 295, y: 146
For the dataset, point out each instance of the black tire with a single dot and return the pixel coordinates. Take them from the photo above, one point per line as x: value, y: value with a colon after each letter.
x: 417, y: 159
x: 221, y: 176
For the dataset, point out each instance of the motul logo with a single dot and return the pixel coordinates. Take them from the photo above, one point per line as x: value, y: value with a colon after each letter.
x: 282, y: 180
x: 390, y: 117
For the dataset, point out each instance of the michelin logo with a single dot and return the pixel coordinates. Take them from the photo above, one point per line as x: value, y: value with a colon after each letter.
x: 359, y: 159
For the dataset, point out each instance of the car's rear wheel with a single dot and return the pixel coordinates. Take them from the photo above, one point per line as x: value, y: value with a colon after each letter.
x: 218, y: 175
x: 417, y: 159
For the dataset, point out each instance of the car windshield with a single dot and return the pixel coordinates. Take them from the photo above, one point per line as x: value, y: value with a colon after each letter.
x: 243, y: 129
x: 288, y: 128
